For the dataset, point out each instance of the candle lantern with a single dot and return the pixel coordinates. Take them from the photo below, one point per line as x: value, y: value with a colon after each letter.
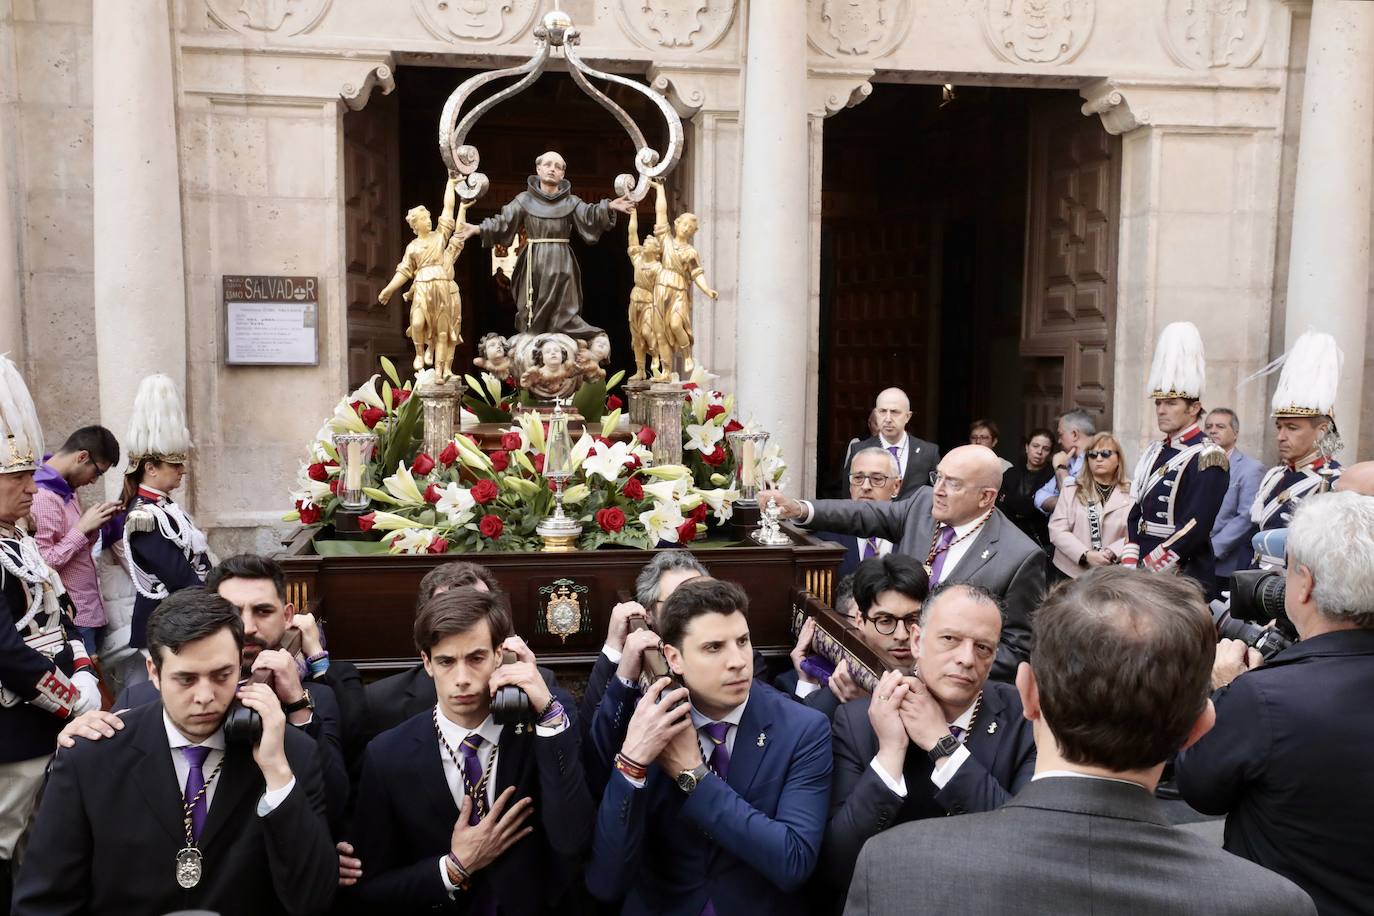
x: 559, y: 532
x: 748, y: 448
x: 355, y: 453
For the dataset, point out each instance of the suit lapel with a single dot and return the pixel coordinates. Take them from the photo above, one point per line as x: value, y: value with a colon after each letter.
x: 429, y: 768
x: 752, y: 743
x: 514, y: 757
x: 979, y: 553
x: 239, y: 780
x: 156, y: 778
x: 987, y: 737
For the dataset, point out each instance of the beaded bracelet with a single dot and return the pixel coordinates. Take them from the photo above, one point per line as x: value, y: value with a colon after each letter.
x: 552, y: 713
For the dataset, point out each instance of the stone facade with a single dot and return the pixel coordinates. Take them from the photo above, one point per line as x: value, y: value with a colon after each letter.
x: 213, y: 132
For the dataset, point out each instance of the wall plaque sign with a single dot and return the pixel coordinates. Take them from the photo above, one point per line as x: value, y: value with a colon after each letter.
x: 271, y: 321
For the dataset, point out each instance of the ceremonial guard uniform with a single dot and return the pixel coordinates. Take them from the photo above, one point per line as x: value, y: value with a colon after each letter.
x: 45, y: 675
x: 163, y: 548
x: 1307, y: 388
x: 1180, y: 480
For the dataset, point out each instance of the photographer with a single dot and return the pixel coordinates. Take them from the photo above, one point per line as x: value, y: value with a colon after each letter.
x: 1289, y: 760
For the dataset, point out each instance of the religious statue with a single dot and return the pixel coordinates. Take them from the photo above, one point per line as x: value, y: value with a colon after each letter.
x: 546, y: 282
x: 680, y: 270
x: 552, y: 371
x: 495, y: 355
x: 590, y: 355
x: 644, y: 257
x: 436, y: 310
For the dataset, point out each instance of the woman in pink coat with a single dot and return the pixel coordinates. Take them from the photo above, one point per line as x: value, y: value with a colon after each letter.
x: 1088, y: 527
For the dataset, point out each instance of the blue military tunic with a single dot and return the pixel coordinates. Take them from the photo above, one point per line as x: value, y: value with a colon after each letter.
x: 165, y: 552
x: 1282, y: 488
x: 1179, y: 487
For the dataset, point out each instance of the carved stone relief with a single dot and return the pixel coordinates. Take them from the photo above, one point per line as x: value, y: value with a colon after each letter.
x: 289, y: 16
x: 695, y: 24
x: 494, y: 21
x: 857, y: 28
x: 1038, y: 31
x: 1211, y: 34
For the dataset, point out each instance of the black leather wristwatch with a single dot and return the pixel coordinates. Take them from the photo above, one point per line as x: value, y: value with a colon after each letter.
x: 305, y: 702
x: 943, y: 748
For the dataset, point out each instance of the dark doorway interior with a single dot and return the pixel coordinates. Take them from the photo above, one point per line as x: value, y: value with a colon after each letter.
x: 924, y: 209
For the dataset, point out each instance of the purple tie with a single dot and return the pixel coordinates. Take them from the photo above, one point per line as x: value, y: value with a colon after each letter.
x: 956, y: 731
x: 720, y: 757
x: 195, y: 781
x: 871, y: 548
x: 472, y: 774
x: 894, y: 450
x: 937, y: 565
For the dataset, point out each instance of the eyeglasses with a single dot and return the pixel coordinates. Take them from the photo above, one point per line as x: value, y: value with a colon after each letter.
x: 886, y: 624
x: 877, y: 480
x: 952, y: 484
x: 1102, y: 453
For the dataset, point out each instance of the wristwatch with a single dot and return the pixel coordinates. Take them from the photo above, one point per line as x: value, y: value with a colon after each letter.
x: 305, y: 702
x: 943, y: 748
x: 688, y: 780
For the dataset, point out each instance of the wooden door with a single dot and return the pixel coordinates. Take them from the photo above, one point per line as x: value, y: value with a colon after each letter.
x: 374, y: 242
x: 1073, y: 213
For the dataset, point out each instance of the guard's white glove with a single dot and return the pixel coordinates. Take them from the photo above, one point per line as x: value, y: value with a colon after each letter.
x: 89, y: 687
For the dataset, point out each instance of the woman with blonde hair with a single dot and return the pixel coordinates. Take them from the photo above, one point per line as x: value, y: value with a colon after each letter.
x: 1088, y: 527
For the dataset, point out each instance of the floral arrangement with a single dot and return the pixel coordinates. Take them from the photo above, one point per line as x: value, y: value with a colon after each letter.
x: 466, y: 499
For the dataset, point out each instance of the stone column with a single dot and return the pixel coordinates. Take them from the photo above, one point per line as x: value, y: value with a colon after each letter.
x: 1328, y: 274
x: 140, y: 287
x: 771, y: 318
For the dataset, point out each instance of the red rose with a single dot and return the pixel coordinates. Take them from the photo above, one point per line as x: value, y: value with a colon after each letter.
x: 553, y: 485
x: 698, y: 514
x: 614, y: 403
x: 687, y: 532
x: 716, y: 458
x: 484, y: 491
x: 438, y: 545
x: 399, y: 396
x: 734, y: 426
x: 432, y: 493
x: 357, y: 407
x: 604, y: 441
x: 633, y: 489
x: 714, y: 411
x: 331, y: 463
x: 689, y: 386
x: 632, y: 462
x: 309, y: 514
x: 318, y: 471
x: 449, y: 454
x: 365, y: 522
x: 422, y: 464
x: 538, y: 462
x: 500, y: 461
x: 647, y: 436
x: 611, y: 520
x: 336, y: 485
x: 510, y: 441
x: 490, y: 525
x: 372, y: 416
x: 510, y: 383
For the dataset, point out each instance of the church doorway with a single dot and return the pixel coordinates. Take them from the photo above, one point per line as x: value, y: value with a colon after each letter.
x: 968, y: 256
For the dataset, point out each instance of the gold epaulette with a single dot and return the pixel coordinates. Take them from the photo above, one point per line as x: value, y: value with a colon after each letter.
x: 139, y: 519
x: 1213, y: 456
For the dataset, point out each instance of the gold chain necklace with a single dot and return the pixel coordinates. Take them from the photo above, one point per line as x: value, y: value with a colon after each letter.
x: 935, y: 538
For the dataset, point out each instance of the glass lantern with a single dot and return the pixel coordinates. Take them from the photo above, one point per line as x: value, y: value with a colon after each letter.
x: 355, y: 454
x: 748, y: 448
x: 558, y: 530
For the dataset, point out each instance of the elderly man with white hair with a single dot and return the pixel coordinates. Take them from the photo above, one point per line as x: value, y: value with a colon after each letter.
x: 1290, y: 757
x: 955, y: 529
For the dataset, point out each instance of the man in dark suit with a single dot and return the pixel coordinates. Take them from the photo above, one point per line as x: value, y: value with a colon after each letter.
x: 1289, y: 761
x: 916, y: 458
x: 717, y: 805
x: 873, y: 475
x: 445, y: 798
x: 1233, y: 528
x: 112, y: 835
x: 957, y: 532
x: 1117, y: 682
x: 945, y: 741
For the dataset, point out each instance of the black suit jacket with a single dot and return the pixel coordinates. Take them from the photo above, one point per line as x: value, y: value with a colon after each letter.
x: 323, y: 729
x: 922, y: 457
x: 1289, y: 763
x: 822, y: 700
x: 399, y: 697
x: 1066, y: 846
x: 405, y: 817
x: 110, y: 826
x: 850, y: 543
x: 1001, y: 761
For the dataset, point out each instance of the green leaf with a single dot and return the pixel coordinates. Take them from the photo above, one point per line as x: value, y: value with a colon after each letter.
x: 405, y: 429
x: 590, y: 401
x: 615, y: 380
x: 390, y: 370
x: 484, y: 411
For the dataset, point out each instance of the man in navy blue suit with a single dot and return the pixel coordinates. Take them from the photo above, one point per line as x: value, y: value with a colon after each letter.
x: 873, y: 476
x: 718, y: 801
x: 461, y: 814
x: 944, y: 741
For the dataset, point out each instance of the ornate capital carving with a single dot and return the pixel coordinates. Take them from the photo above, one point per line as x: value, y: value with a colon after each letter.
x: 691, y: 89
x: 1038, y: 31
x: 830, y: 93
x: 282, y: 75
x: 476, y: 21
x: 355, y: 96
x: 1212, y: 34
x: 1108, y: 100
x: 849, y: 29
x: 695, y: 24
x: 289, y: 17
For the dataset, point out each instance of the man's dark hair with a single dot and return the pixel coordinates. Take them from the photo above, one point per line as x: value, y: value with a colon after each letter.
x: 459, y: 610
x: 453, y: 575
x: 694, y: 598
x: 1123, y: 661
x: 190, y: 614
x: 97, y: 441
x: 892, y: 573
x: 989, y: 425
x: 968, y: 590
x: 248, y: 566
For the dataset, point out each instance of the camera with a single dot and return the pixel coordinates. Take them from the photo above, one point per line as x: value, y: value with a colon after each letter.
x: 1257, y: 596
x: 511, y: 705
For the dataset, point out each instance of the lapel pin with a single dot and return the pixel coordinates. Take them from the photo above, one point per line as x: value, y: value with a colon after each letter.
x: 992, y: 728
x: 519, y: 728
x: 984, y: 556
x: 763, y: 739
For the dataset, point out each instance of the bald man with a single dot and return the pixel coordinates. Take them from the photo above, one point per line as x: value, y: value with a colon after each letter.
x: 916, y: 458
x: 956, y: 530
x: 1357, y: 478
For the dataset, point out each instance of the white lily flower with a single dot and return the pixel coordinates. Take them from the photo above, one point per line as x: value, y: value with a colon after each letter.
x: 581, y: 449
x: 661, y: 522
x: 410, y: 540
x: 704, y: 437
x: 610, y: 423
x: 390, y: 521
x: 576, y: 493
x: 455, y: 501
x: 425, y: 377
x: 721, y: 501
x: 346, y: 419
x: 771, y: 464
x: 668, y: 491
x: 668, y: 472
x: 605, y: 461
x: 493, y: 385
x: 402, y: 486
x: 531, y: 430
x: 367, y: 393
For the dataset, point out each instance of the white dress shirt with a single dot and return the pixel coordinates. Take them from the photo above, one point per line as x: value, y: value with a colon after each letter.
x: 903, y: 449
x: 1070, y: 774
x: 940, y: 775
x: 959, y: 547
x: 176, y: 741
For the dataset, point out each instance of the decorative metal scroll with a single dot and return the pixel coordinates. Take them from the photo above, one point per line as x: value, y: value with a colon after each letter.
x: 555, y: 36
